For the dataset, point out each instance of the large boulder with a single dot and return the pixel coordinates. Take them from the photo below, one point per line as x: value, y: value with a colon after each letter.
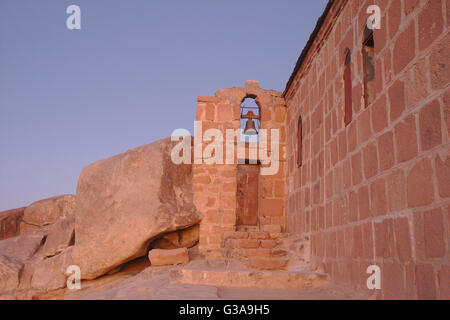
x: 47, y: 211
x: 186, y: 238
x: 126, y: 201
x: 10, y: 222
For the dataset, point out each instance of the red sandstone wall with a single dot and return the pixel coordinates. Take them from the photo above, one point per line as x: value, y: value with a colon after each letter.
x: 378, y: 190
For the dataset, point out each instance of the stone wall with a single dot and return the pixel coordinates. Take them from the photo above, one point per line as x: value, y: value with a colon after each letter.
x: 376, y: 191
x: 215, y: 185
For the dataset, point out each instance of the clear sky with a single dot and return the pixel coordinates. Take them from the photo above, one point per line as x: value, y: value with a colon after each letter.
x: 129, y: 77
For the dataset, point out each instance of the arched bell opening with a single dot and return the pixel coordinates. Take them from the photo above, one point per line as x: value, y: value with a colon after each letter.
x: 250, y: 119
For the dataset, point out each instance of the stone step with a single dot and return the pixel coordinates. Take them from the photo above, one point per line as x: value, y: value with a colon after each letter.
x: 246, y: 240
x: 250, y: 244
x: 257, y: 253
x: 258, y: 250
x: 260, y: 258
x: 267, y: 264
x: 269, y: 228
x: 250, y: 279
x: 255, y: 235
x: 247, y: 228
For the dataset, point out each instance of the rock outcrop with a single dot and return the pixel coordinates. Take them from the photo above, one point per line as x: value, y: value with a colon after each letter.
x: 37, y: 259
x: 50, y: 274
x: 47, y: 211
x: 16, y: 255
x: 125, y: 202
x: 10, y: 223
x: 23, y: 247
x: 61, y: 235
x: 10, y: 270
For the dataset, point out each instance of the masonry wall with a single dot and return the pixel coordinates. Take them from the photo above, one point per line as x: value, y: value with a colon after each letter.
x: 378, y: 190
x: 215, y: 185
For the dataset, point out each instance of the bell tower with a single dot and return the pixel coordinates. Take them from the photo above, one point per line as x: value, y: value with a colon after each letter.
x: 239, y: 193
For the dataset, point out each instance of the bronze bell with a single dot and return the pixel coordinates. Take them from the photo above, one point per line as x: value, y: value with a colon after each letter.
x: 250, y: 128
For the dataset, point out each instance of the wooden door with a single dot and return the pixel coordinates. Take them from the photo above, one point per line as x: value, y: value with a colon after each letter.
x: 247, y: 195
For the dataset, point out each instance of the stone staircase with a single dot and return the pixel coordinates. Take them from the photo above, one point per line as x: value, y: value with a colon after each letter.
x: 258, y: 250
x: 298, y: 279
x: 255, y: 259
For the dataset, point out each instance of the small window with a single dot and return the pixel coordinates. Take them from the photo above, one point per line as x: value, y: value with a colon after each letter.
x: 348, y: 88
x: 368, y: 53
x: 299, y: 141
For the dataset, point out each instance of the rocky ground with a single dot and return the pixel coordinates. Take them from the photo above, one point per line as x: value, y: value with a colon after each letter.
x: 139, y: 281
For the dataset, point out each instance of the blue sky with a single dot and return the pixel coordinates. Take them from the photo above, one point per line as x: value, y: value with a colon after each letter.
x: 129, y: 77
